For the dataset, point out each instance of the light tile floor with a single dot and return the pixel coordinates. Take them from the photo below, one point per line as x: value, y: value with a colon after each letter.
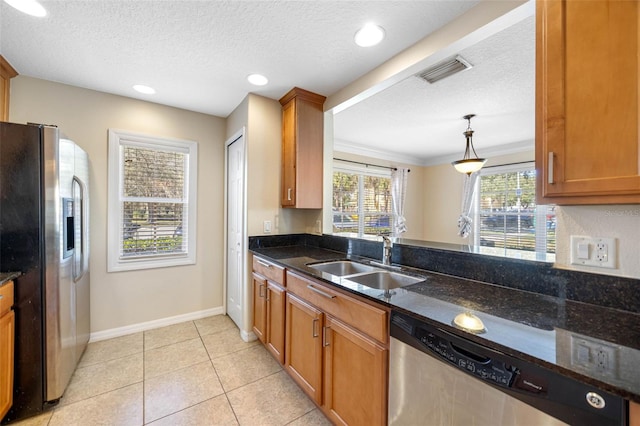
x: 193, y: 373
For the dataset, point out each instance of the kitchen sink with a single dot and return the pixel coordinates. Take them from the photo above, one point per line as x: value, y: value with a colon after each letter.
x: 385, y: 280
x: 340, y: 268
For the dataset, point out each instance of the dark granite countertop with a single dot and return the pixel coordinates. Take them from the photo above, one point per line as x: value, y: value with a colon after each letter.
x: 5, y: 277
x: 535, y: 327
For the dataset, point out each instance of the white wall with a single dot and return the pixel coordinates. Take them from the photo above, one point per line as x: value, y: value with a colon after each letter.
x: 123, y: 299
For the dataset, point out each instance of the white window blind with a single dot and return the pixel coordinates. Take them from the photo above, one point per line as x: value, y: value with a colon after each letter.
x: 151, y: 201
x: 508, y: 221
x: 361, y: 202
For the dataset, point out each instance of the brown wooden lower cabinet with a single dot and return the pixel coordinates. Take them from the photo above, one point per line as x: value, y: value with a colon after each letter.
x: 275, y: 320
x: 331, y: 343
x: 303, y: 360
x: 341, y: 368
x: 259, y: 307
x: 355, y: 369
x: 7, y: 327
x: 268, y: 315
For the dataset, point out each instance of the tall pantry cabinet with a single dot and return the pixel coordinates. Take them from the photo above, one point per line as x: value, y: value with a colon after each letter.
x: 302, y: 149
x: 587, y: 102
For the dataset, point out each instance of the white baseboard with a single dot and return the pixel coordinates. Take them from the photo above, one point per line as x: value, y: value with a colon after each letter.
x: 163, y: 322
x: 248, y: 336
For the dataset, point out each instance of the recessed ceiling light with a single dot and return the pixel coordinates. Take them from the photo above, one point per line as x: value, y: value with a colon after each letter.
x: 369, y: 35
x: 257, y: 79
x: 30, y: 7
x: 144, y: 89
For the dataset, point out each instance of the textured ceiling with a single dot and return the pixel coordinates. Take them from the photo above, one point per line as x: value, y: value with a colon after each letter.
x: 197, y: 54
x: 421, y: 123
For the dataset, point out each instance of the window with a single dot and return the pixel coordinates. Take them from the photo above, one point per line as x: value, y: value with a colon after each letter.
x: 152, y: 202
x: 361, y: 202
x: 508, y: 221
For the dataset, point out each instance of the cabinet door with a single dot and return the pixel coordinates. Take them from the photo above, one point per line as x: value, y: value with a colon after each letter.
x: 289, y: 154
x: 634, y: 414
x: 259, y: 307
x: 587, y: 102
x: 355, y: 376
x: 275, y: 320
x: 303, y: 358
x: 7, y: 322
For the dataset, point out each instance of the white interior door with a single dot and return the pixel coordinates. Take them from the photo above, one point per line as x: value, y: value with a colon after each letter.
x: 235, y: 229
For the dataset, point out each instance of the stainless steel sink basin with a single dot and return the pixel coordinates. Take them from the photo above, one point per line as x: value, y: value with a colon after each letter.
x: 385, y: 280
x: 340, y: 268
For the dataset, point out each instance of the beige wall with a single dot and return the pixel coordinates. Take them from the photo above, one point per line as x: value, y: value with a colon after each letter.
x: 122, y: 299
x: 262, y: 120
x: 434, y: 195
x: 443, y: 197
x: 616, y: 221
x: 442, y: 186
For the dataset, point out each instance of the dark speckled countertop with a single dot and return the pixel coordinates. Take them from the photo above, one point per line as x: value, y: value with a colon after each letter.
x: 5, y: 277
x: 535, y: 327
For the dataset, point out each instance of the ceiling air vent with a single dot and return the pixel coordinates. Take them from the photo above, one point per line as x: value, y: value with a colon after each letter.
x: 444, y: 69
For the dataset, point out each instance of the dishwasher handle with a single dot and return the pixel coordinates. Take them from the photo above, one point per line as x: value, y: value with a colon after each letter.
x: 475, y: 357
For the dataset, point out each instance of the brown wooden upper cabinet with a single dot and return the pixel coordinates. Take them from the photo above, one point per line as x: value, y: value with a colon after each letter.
x: 302, y: 149
x: 6, y: 74
x: 587, y: 71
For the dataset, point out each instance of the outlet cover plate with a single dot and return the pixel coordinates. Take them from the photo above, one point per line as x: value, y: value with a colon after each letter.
x: 601, y: 251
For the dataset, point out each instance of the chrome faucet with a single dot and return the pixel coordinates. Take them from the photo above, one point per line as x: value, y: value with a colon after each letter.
x: 386, y: 253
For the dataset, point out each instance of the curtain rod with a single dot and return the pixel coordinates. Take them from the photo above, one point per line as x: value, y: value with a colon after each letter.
x: 367, y: 164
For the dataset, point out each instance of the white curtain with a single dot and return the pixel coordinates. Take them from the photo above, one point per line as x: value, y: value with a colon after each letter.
x: 465, y: 221
x: 399, y: 179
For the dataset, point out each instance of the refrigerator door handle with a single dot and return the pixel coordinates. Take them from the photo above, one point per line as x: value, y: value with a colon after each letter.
x: 79, y: 273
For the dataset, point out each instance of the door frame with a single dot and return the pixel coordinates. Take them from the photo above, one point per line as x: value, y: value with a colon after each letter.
x: 246, y: 335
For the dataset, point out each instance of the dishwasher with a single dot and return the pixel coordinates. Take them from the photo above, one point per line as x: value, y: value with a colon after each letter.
x: 438, y: 378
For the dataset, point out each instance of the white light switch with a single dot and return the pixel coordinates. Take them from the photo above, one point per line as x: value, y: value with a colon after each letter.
x: 583, y: 250
x: 267, y: 226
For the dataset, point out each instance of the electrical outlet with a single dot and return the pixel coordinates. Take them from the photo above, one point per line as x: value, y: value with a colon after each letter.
x: 267, y: 227
x: 597, y: 356
x: 593, y: 251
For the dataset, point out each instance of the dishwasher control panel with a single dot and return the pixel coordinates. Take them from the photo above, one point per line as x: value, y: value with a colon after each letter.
x: 478, y: 364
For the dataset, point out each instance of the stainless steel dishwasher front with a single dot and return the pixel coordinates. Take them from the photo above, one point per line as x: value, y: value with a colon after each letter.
x: 437, y: 378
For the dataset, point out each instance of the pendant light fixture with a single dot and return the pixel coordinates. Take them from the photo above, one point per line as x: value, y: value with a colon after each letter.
x: 469, y: 165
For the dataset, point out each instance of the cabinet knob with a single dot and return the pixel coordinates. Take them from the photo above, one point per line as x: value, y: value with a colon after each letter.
x: 288, y: 194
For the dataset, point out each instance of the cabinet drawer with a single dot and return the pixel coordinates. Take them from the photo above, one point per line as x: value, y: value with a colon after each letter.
x: 6, y: 297
x: 360, y: 315
x: 268, y: 270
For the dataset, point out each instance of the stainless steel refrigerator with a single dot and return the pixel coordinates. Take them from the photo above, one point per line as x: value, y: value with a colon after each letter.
x: 44, y: 234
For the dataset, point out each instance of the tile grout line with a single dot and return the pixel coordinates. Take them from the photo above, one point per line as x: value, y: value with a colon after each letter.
x: 224, y: 391
x: 144, y: 377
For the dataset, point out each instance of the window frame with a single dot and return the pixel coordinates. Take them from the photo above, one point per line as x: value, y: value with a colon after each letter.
x: 540, y: 233
x: 361, y: 171
x: 116, y: 140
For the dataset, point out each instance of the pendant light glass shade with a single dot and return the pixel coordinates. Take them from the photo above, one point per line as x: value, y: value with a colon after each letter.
x: 468, y: 164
